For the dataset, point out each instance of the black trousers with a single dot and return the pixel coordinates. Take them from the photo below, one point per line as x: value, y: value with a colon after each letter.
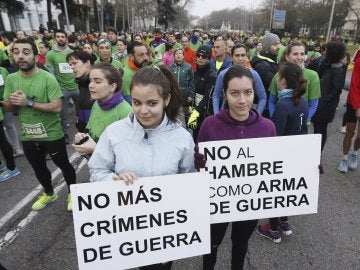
x: 6, y: 149
x: 240, y: 234
x: 158, y: 266
x: 321, y: 128
x: 35, y: 153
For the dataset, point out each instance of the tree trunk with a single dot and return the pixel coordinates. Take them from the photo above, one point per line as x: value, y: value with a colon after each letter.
x: 49, y: 13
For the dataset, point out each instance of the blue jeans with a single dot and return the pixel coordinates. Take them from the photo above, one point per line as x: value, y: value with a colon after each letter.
x: 67, y: 94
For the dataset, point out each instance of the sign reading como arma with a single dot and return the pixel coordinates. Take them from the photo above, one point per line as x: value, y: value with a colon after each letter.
x: 157, y: 219
x: 263, y: 177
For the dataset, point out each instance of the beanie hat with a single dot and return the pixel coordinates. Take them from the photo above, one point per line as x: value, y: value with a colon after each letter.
x: 205, y: 50
x: 268, y: 40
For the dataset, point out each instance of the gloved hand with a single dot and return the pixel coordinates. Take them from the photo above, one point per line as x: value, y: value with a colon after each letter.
x: 192, y: 122
x: 199, y: 159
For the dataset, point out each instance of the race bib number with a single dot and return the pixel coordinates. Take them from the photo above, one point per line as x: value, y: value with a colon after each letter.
x: 1, y: 80
x: 34, y: 131
x: 65, y: 68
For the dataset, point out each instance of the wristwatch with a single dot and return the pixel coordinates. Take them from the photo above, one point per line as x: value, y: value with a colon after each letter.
x: 29, y: 104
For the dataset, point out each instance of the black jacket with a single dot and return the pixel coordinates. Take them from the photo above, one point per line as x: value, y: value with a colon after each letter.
x: 331, y: 84
x: 204, y: 79
x: 85, y: 103
x: 265, y: 64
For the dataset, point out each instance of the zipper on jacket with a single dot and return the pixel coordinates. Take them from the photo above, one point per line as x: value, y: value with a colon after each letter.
x: 146, y: 136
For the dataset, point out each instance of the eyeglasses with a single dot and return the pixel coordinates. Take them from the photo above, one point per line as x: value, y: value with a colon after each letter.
x: 200, y: 55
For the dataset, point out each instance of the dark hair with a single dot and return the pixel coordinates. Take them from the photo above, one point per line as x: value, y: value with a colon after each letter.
x: 237, y: 71
x: 112, y: 74
x: 60, y: 31
x: 166, y: 84
x: 169, y: 46
x: 80, y: 55
x: 237, y: 46
x: 294, y: 77
x: 71, y: 38
x: 335, y: 52
x: 131, y: 47
x: 111, y: 29
x: 10, y: 35
x: 46, y: 44
x: 27, y: 41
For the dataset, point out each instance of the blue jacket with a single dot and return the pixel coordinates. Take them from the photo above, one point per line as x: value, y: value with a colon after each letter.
x: 226, y: 64
x: 219, y: 86
x: 290, y: 119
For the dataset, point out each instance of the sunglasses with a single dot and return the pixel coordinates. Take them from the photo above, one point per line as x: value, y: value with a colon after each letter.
x: 200, y: 55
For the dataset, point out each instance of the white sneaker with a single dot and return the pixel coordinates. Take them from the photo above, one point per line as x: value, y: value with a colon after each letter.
x: 343, y: 166
x: 352, y: 164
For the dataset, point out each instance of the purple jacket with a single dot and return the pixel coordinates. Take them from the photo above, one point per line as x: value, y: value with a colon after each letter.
x: 223, y: 127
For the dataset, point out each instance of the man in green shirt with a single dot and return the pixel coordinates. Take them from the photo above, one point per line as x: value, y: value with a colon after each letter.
x: 37, y: 96
x: 60, y: 68
x: 105, y: 54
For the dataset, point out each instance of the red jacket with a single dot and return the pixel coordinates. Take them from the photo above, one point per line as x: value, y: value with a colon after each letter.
x: 354, y: 92
x: 190, y: 57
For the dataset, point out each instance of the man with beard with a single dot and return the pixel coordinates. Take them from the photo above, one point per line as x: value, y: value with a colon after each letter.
x: 138, y: 58
x: 60, y: 68
x: 105, y: 54
x: 266, y: 62
x: 37, y: 96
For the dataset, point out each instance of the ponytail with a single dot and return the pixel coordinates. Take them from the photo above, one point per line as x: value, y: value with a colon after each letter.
x: 295, y: 80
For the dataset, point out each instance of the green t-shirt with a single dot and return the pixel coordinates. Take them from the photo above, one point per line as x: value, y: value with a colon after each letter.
x: 313, y: 85
x: 128, y: 74
x: 41, y: 87
x: 63, y: 72
x: 100, y: 119
x: 115, y: 63
x: 3, y: 74
x: 3, y: 56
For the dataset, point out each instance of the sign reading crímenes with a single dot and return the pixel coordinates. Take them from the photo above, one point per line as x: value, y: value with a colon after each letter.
x: 157, y: 219
x: 263, y: 177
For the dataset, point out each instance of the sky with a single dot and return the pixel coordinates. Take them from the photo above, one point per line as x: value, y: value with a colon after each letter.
x: 205, y: 7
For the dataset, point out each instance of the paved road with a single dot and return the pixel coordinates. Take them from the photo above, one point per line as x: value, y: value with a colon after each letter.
x: 44, y: 240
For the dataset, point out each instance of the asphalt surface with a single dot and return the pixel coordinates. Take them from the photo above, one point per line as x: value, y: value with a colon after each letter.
x: 329, y: 239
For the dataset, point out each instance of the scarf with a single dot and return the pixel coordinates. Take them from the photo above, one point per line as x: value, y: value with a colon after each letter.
x: 132, y: 65
x: 115, y: 100
x: 285, y: 93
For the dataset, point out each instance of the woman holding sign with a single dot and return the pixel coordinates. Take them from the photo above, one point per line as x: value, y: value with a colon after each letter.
x: 236, y: 121
x: 289, y: 118
x: 150, y: 141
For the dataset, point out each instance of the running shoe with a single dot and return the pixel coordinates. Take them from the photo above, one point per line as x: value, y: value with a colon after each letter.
x: 268, y: 233
x: 7, y: 174
x: 44, y: 200
x: 343, y: 166
x: 352, y: 163
x: 285, y: 227
x: 69, y: 203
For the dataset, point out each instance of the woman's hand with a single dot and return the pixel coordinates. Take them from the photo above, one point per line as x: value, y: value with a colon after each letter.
x: 87, y: 147
x: 79, y: 136
x: 128, y: 177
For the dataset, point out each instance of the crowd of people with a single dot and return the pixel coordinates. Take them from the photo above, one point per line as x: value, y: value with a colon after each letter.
x: 143, y: 101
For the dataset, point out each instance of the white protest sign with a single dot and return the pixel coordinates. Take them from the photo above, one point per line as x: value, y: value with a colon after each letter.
x: 263, y: 177
x: 157, y: 219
